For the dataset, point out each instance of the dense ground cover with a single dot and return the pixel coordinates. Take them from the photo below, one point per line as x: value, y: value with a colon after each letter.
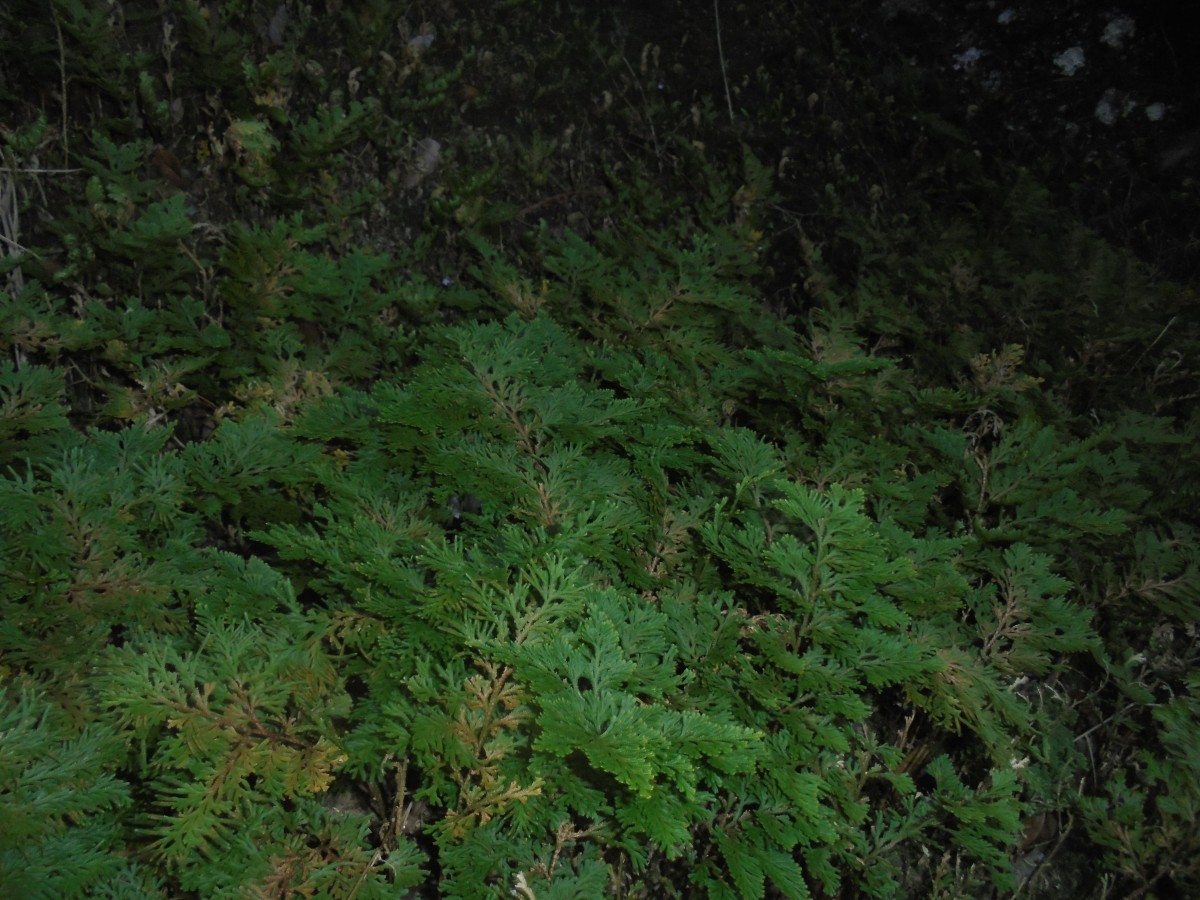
x: 507, y: 450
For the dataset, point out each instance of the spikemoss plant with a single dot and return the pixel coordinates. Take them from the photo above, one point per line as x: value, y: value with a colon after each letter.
x: 559, y: 563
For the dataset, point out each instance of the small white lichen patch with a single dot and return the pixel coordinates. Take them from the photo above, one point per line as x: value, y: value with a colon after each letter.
x: 1118, y: 30
x: 968, y: 58
x: 1113, y: 106
x: 1070, y: 60
x: 1155, y: 112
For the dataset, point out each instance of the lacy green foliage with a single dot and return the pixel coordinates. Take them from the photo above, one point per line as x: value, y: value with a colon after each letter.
x: 258, y: 332
x: 601, y: 530
x: 166, y: 271
x: 1149, y: 807
x: 201, y: 659
x: 1023, y: 275
x: 92, y: 540
x: 599, y: 630
x: 62, y: 801
x: 32, y: 414
x: 587, y: 573
x: 234, y: 731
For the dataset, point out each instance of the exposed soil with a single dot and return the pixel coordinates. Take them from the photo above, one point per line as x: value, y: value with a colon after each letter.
x: 1113, y: 128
